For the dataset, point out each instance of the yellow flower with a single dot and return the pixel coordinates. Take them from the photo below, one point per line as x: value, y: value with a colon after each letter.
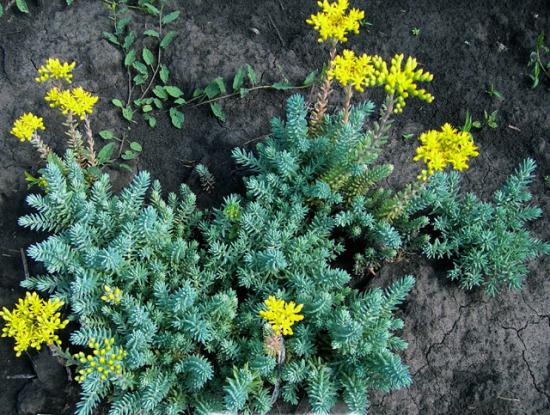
x: 333, y: 23
x: 440, y: 149
x: 351, y: 70
x: 33, y: 321
x: 105, y: 360
x: 54, y: 69
x: 280, y: 315
x: 25, y: 126
x: 401, y: 82
x: 75, y: 101
x: 111, y: 295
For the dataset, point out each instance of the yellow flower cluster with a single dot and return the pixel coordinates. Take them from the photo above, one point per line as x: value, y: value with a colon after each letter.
x: 401, y: 82
x: 76, y: 101
x: 440, y: 149
x: 352, y: 70
x: 33, y: 321
x: 333, y: 23
x: 281, y: 315
x: 106, y: 360
x: 55, y: 69
x: 25, y: 126
x: 111, y: 295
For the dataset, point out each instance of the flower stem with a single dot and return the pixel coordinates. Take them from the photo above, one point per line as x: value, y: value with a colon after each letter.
x: 92, y: 160
x: 321, y: 104
x: 42, y: 148
x: 347, y: 103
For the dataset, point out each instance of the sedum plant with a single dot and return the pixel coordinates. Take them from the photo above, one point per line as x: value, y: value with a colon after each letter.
x: 487, y: 241
x: 187, y: 322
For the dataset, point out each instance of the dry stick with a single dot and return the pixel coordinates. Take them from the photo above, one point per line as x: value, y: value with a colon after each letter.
x: 25, y: 264
x: 92, y: 160
x: 347, y: 103
x: 276, y: 30
x: 320, y: 107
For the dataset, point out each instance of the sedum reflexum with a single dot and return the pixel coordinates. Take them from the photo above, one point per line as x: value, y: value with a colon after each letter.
x: 191, y: 286
x: 487, y: 241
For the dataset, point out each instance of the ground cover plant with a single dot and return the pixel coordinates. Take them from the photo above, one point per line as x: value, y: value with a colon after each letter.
x: 238, y: 307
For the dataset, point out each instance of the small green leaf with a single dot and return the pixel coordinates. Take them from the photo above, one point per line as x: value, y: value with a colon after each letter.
x: 180, y: 101
x: 158, y: 103
x: 128, y: 155
x: 129, y: 40
x: 167, y: 39
x: 94, y: 170
x: 151, y: 9
x: 173, y: 91
x: 105, y: 153
x: 476, y: 124
x: 147, y: 108
x: 197, y: 92
x: 217, y: 111
x: 128, y: 114
x: 160, y: 92
x: 310, y: 78
x: 140, y: 67
x: 176, y: 117
x: 169, y: 18
x: 111, y: 38
x: 106, y: 134
x: 214, y: 88
x: 124, y: 166
x: 164, y: 74
x: 152, y: 121
x: 251, y: 73
x: 152, y: 33
x: 121, y: 24
x: 130, y: 58
x: 243, y: 92
x: 281, y: 86
x: 139, y: 79
x: 148, y: 56
x: 22, y: 6
x: 134, y: 145
x: 238, y: 79
x: 117, y: 103
x: 2, y: 13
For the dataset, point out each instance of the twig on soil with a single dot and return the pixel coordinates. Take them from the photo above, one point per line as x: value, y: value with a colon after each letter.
x: 508, y: 399
x: 25, y: 264
x: 513, y: 127
x: 276, y: 30
x: 24, y: 376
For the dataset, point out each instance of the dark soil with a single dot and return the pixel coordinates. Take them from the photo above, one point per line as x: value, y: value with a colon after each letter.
x: 469, y: 354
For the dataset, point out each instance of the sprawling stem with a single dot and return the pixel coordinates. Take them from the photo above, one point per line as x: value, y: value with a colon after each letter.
x: 159, y: 54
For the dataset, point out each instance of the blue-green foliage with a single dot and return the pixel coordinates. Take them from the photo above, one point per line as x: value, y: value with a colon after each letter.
x: 487, y: 241
x: 193, y: 284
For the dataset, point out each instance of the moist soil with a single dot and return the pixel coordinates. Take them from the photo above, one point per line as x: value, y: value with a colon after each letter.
x: 468, y: 353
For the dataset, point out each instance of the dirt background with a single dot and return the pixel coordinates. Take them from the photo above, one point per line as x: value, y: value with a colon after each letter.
x: 468, y: 354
